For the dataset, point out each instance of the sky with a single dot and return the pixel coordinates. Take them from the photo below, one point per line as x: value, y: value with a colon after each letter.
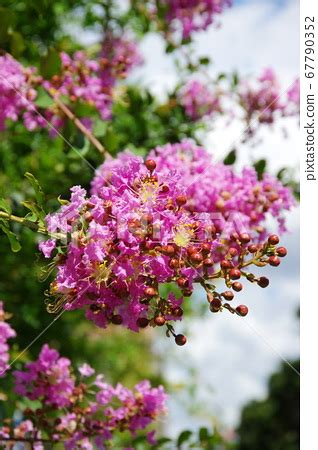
x: 232, y: 358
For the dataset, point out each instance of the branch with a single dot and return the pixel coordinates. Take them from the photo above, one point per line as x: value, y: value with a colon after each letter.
x: 70, y: 115
x: 29, y: 224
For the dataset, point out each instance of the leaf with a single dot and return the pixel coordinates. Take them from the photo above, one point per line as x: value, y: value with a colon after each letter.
x: 183, y: 437
x: 203, y: 434
x: 7, y: 19
x: 14, y: 243
x: 37, y: 212
x: 50, y: 64
x: 43, y: 100
x: 230, y: 158
x: 17, y: 44
x: 162, y: 441
x: 204, y: 61
x: 235, y: 80
x: 260, y: 167
x: 5, y: 206
x: 39, y: 194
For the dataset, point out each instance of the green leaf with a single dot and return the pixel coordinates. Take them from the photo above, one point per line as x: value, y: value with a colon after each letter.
x: 260, y: 167
x: 7, y: 19
x: 204, y: 61
x: 5, y: 206
x: 230, y: 158
x: 235, y: 80
x: 162, y: 441
x: 50, y: 64
x: 16, y: 43
x: 37, y: 212
x: 43, y: 100
x: 203, y: 434
x: 14, y: 243
x: 184, y: 436
x: 39, y: 194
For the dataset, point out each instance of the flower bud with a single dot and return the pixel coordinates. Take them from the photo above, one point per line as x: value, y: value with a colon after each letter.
x: 242, y: 310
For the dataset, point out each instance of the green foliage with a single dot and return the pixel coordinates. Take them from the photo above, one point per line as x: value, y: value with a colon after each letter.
x: 273, y: 423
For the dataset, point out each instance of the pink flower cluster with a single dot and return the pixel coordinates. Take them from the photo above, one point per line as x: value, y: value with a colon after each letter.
x: 6, y: 332
x: 120, y: 56
x: 16, y: 92
x: 192, y: 15
x: 170, y: 219
x: 198, y: 100
x: 91, y: 81
x: 78, y: 413
x: 262, y: 99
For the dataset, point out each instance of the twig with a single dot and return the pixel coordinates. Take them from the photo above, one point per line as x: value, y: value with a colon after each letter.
x: 93, y: 140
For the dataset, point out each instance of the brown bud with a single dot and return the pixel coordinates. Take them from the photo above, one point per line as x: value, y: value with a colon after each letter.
x: 274, y: 261
x: 263, y: 282
x: 180, y: 339
x: 142, y: 322
x: 117, y: 319
x: 160, y: 321
x: 281, y: 251
x: 150, y: 164
x: 237, y: 286
x: 181, y: 200
x: 150, y: 292
x: 273, y: 239
x: 242, y: 310
x: 235, y: 274
x: 228, y: 295
x: 215, y: 305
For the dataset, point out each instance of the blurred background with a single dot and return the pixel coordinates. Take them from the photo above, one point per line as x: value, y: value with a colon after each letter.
x: 236, y: 376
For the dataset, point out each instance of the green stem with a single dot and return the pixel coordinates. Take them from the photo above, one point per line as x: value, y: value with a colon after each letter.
x: 29, y: 224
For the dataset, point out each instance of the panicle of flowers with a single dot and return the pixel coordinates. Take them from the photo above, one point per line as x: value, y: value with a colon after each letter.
x: 198, y: 100
x: 263, y: 100
x: 189, y: 16
x: 171, y: 219
x: 119, y: 55
x: 79, y: 408
x: 17, y: 94
x: 6, y: 332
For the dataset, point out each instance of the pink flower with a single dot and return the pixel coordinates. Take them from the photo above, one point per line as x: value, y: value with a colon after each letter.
x: 198, y: 100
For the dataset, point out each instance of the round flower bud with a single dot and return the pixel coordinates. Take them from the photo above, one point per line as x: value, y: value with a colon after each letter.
x: 242, y: 310
x: 160, y: 321
x: 225, y: 264
x: 150, y: 292
x: 151, y: 164
x: 117, y: 319
x: 245, y: 238
x: 181, y: 200
x: 183, y: 282
x: 235, y: 274
x: 252, y: 248
x: 281, y: 251
x: 208, y: 262
x: 180, y: 339
x: 274, y: 261
x: 233, y: 251
x: 273, y: 239
x: 196, y: 258
x: 142, y: 322
x: 215, y: 305
x: 237, y: 286
x: 228, y: 295
x: 263, y: 282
